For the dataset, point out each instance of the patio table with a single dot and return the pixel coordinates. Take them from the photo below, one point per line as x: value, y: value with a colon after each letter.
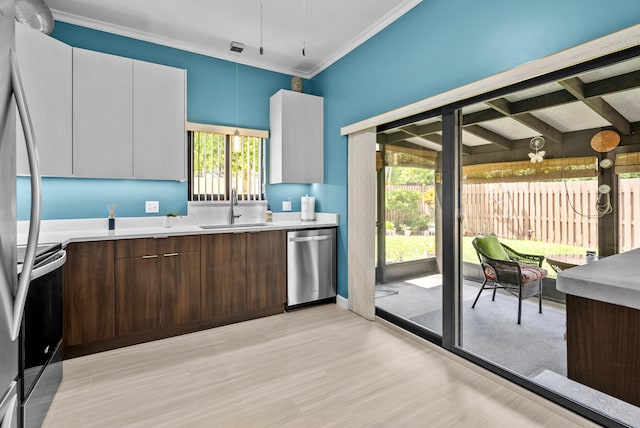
x: 566, y: 261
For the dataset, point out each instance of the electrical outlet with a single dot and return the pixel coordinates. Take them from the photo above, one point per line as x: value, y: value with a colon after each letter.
x: 152, y: 207
x: 286, y: 205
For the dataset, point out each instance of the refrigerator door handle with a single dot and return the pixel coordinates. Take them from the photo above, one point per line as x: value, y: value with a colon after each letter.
x: 36, y: 199
x: 8, y: 406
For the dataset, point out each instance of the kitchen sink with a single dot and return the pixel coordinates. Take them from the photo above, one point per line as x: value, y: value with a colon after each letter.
x: 232, y: 226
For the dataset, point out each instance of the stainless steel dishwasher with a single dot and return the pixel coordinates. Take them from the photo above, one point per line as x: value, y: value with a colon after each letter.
x: 311, y: 266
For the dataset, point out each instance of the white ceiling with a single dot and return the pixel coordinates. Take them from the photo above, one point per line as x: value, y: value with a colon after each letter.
x: 331, y: 29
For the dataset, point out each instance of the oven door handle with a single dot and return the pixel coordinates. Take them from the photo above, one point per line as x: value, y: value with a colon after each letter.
x: 51, y: 266
x: 36, y: 198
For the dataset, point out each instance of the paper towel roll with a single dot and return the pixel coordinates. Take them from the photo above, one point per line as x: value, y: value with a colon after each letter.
x: 307, y: 208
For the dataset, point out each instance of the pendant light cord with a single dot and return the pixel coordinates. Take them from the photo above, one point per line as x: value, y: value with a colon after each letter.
x: 304, y: 33
x: 261, y: 48
x: 236, y: 94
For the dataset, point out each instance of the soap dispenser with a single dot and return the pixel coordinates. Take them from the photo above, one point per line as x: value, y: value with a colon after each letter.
x: 268, y: 216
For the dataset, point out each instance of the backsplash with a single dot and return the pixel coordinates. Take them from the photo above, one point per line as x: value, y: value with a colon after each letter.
x: 204, y: 213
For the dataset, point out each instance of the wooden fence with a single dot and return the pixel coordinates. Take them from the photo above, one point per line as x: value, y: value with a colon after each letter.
x: 557, y: 212
x: 539, y: 211
x: 629, y: 207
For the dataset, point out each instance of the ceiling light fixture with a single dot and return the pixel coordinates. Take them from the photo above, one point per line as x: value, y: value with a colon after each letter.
x: 237, y: 141
x: 261, y: 48
x: 304, y: 41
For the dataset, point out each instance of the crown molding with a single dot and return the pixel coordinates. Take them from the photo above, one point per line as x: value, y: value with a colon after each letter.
x: 169, y: 42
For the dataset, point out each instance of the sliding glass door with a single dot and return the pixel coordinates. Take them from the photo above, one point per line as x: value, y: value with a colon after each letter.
x: 409, y: 266
x: 541, y: 193
x: 527, y: 182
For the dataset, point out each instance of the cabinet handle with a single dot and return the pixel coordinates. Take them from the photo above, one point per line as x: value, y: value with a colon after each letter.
x: 150, y: 257
x: 170, y: 254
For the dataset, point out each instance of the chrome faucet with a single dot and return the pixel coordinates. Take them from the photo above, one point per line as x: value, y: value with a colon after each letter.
x: 233, y: 201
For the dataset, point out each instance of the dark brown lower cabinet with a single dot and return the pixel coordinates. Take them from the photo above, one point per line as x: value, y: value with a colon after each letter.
x: 603, y: 347
x: 118, y: 293
x: 224, y: 274
x: 179, y: 288
x: 243, y: 273
x: 137, y: 294
x: 88, y: 292
x: 157, y: 283
x: 266, y: 269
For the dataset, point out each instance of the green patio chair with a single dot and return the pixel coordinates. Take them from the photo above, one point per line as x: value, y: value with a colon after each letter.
x: 505, y: 268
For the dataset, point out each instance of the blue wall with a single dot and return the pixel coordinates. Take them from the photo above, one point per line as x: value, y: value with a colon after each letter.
x: 437, y: 46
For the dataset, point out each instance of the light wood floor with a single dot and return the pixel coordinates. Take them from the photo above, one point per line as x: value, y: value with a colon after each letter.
x: 317, y: 367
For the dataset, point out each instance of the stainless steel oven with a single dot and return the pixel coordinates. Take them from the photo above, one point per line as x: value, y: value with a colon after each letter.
x: 41, y: 336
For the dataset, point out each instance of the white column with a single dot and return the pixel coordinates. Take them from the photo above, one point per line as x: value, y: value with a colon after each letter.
x: 361, y: 222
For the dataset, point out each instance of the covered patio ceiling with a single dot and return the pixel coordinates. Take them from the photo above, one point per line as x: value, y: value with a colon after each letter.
x: 567, y: 113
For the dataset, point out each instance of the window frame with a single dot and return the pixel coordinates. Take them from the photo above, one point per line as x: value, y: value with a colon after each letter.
x: 229, y: 178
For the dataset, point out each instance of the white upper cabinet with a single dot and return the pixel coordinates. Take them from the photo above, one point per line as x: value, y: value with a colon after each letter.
x: 102, y: 115
x: 45, y: 67
x: 296, y: 138
x: 159, y: 136
x: 128, y: 118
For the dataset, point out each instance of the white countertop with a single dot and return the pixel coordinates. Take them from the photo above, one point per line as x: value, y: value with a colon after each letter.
x: 614, y: 279
x: 82, y: 230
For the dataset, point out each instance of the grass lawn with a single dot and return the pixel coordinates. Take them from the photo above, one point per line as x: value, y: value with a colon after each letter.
x: 404, y: 248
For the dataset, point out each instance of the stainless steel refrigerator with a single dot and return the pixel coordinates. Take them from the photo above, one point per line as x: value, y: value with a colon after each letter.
x: 8, y: 277
x: 13, y: 286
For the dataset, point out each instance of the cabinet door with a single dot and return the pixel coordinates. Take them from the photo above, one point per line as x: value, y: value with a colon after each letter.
x: 266, y: 269
x: 224, y: 276
x: 45, y: 68
x: 159, y: 136
x: 102, y: 115
x: 88, y: 293
x: 180, y: 279
x: 297, y: 138
x: 137, y: 294
x: 180, y: 288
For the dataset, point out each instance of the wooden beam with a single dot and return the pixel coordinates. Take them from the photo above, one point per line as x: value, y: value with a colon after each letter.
x: 576, y: 144
x: 393, y: 138
x: 422, y: 130
x: 434, y: 138
x: 481, y: 116
x: 595, y: 89
x: 484, y: 133
x: 623, y: 82
x: 504, y: 106
x: 539, y: 102
x: 576, y: 87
